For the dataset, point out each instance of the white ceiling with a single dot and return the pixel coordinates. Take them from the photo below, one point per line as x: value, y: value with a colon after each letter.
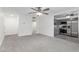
x: 26, y: 10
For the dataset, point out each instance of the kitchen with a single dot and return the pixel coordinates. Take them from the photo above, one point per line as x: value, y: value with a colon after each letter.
x: 66, y: 24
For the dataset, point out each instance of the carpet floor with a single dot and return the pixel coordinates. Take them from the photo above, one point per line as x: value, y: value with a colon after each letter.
x: 37, y: 43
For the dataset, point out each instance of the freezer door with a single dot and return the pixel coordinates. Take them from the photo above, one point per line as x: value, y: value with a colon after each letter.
x: 75, y: 28
x: 68, y: 27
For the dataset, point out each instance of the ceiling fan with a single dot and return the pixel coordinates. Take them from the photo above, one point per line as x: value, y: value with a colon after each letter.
x: 39, y: 11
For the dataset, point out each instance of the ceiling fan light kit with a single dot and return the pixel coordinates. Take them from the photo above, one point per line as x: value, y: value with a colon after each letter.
x: 39, y: 11
x: 38, y: 14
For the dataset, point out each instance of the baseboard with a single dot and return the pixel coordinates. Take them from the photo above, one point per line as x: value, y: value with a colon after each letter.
x: 46, y: 35
x: 23, y: 34
x: 1, y: 41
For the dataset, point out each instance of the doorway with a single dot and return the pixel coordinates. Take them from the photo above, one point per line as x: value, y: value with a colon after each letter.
x: 66, y: 26
x: 34, y: 26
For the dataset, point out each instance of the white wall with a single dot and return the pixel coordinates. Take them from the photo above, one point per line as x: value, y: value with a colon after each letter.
x: 11, y: 24
x: 37, y: 26
x: 1, y: 30
x: 46, y: 26
x: 78, y: 25
x: 25, y: 25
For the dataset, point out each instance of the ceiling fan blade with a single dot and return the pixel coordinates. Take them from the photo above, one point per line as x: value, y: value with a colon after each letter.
x: 31, y: 12
x: 46, y: 13
x: 46, y: 9
x: 34, y: 9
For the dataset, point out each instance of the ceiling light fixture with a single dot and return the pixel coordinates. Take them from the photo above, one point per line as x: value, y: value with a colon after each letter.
x: 38, y: 14
x: 67, y: 16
